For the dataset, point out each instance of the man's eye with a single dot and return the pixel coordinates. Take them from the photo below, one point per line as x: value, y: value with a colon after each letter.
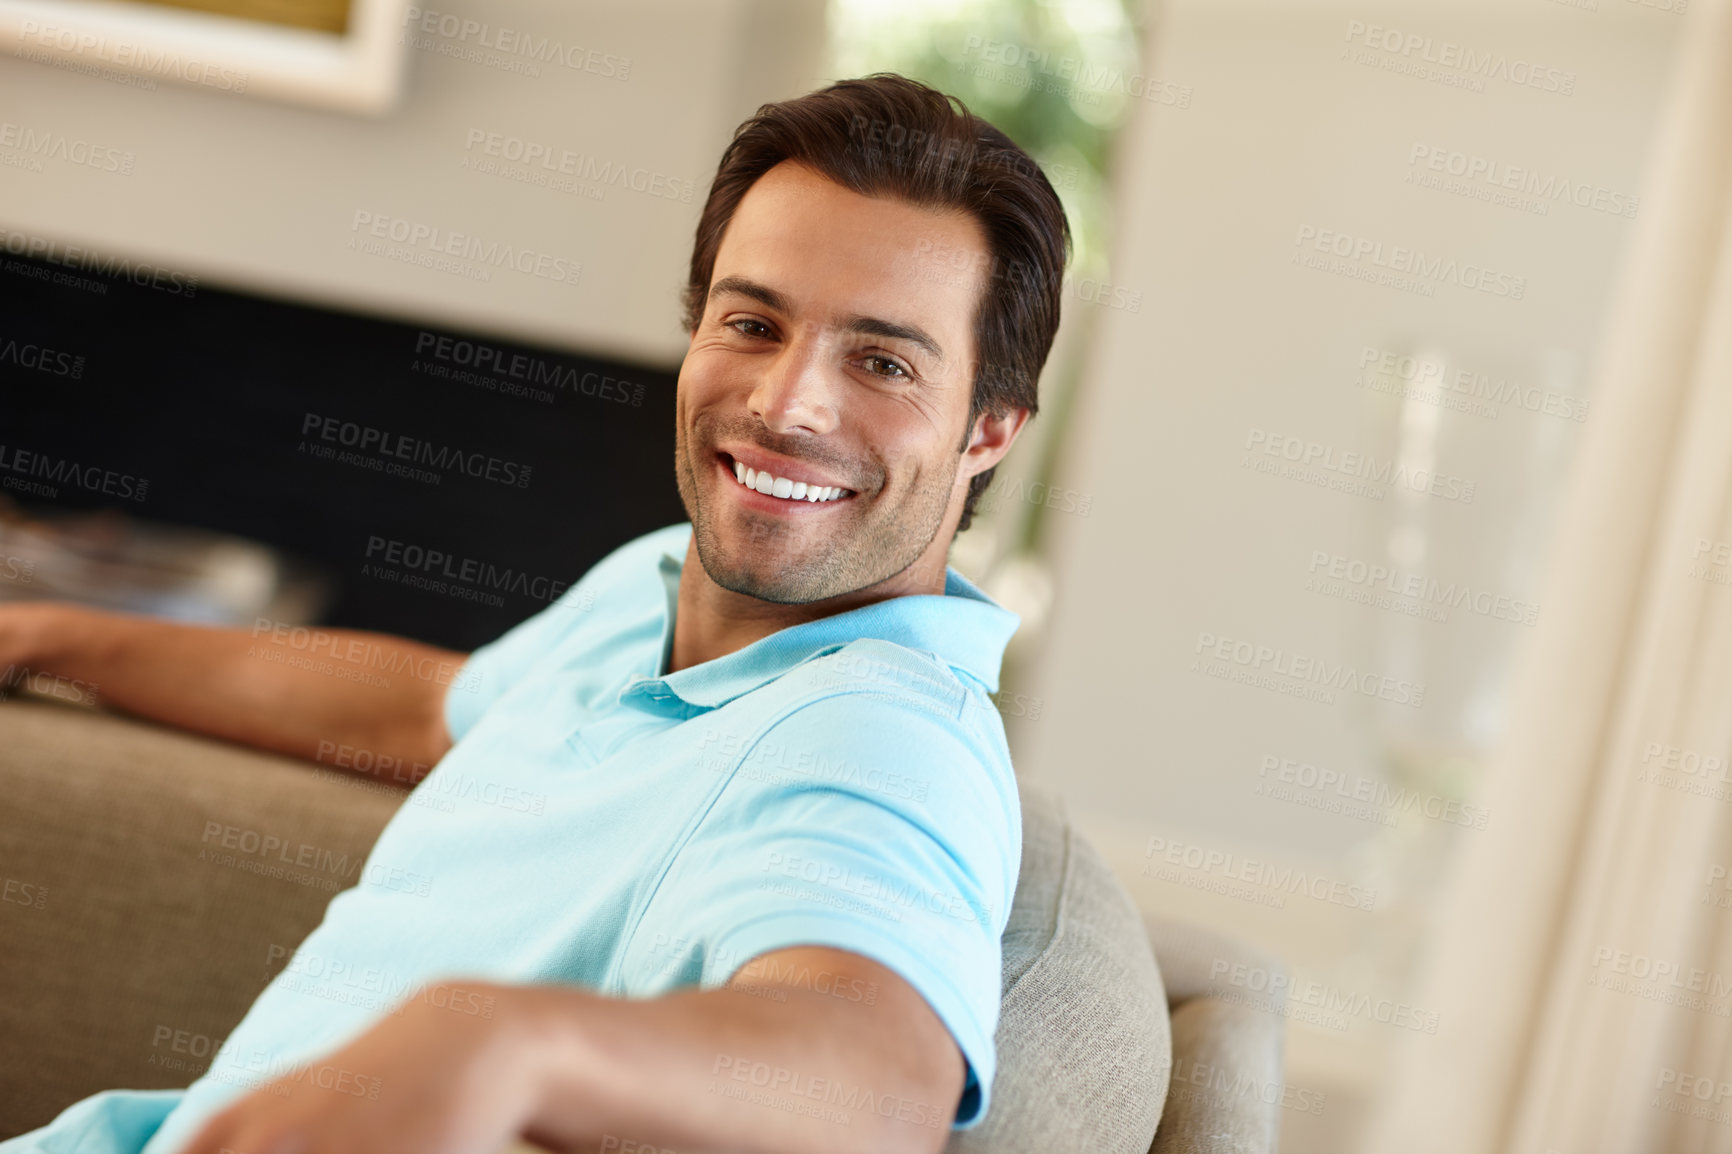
x: 895, y: 371
x: 760, y: 325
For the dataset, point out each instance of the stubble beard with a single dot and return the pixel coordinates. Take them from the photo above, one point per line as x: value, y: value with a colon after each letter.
x: 753, y: 557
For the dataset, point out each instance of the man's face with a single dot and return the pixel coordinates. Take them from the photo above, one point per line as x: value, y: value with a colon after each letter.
x: 836, y: 352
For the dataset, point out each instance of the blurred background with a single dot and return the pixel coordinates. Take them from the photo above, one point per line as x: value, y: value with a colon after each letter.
x: 1354, y: 449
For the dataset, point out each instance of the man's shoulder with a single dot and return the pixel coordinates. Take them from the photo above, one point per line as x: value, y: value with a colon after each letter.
x: 881, y: 677
x: 900, y: 730
x: 885, y: 701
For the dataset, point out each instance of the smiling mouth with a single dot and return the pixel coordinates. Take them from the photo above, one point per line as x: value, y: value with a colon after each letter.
x: 789, y: 490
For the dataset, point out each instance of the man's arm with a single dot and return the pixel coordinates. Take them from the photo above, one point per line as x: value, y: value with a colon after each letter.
x: 764, y: 1064
x: 294, y: 691
x: 731, y: 1069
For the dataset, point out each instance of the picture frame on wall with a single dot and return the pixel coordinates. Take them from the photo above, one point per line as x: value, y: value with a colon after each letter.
x: 341, y: 55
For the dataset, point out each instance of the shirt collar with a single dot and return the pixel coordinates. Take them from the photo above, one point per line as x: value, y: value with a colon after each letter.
x: 964, y: 628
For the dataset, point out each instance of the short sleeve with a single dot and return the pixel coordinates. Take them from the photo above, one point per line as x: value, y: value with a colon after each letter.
x: 495, y: 667
x: 870, y: 825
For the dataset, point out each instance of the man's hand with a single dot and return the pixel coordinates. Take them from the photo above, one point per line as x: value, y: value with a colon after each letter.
x: 425, y: 1080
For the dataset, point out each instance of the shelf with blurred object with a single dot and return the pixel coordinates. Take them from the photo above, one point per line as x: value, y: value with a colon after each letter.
x: 110, y: 560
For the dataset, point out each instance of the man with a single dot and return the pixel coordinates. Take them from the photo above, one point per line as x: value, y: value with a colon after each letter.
x: 756, y: 900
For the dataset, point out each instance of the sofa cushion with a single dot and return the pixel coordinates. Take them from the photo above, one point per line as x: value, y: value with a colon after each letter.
x: 1084, y: 1041
x: 157, y: 908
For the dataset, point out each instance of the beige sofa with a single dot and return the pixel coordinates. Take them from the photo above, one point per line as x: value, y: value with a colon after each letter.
x: 128, y: 951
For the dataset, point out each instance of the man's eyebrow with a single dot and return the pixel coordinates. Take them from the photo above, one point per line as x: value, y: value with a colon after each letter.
x: 865, y: 326
x: 746, y: 287
x: 873, y: 327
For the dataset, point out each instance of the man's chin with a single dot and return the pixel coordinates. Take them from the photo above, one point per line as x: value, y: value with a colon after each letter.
x: 776, y: 586
x: 777, y: 561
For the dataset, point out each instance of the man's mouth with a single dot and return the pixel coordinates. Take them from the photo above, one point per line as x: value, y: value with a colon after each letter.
x: 787, y: 489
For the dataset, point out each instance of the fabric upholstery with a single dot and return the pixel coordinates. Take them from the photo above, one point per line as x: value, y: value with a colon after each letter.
x: 1083, y: 1036
x: 1222, y: 1076
x: 142, y: 956
x: 133, y: 958
x: 1226, y: 1088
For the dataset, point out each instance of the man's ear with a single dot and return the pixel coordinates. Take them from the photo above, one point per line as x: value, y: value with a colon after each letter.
x: 991, y: 440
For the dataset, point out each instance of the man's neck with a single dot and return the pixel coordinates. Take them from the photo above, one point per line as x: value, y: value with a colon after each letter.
x: 711, y: 622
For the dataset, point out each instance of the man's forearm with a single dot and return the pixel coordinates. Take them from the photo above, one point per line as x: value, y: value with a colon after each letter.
x: 305, y: 692
x: 726, y: 1070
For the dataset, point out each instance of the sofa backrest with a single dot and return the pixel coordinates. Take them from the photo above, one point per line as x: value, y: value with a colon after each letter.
x: 155, y: 881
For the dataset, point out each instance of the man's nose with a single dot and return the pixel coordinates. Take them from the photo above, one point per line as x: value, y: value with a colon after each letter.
x: 797, y: 389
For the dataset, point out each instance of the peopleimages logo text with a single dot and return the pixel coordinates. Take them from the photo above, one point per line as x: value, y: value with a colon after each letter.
x: 1459, y: 57
x: 484, y: 358
x: 41, y: 358
x: 1375, y: 792
x: 433, y: 240
x: 162, y: 62
x: 73, y: 256
x: 1499, y: 174
x: 52, y: 145
x: 1411, y: 262
x: 1306, y: 668
x: 517, y: 42
x: 1363, y: 466
x: 1285, y: 878
x: 366, y: 438
x: 61, y: 471
x: 465, y: 569
x: 1374, y: 575
x: 581, y: 165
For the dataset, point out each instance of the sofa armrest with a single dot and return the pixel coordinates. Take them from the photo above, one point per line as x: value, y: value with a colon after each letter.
x: 1217, y: 1048
x: 1224, y: 1094
x: 152, y: 881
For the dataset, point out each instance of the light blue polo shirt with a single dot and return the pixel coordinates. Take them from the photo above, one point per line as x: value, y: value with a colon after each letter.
x: 845, y: 782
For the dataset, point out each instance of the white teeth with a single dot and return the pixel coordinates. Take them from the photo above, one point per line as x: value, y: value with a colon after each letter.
x: 765, y: 482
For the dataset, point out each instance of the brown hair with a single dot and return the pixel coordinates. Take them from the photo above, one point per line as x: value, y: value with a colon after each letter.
x: 887, y: 135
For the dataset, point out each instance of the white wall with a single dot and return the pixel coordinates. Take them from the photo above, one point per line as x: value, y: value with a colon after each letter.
x: 264, y: 196
x: 1232, y: 336
x: 1234, y: 340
